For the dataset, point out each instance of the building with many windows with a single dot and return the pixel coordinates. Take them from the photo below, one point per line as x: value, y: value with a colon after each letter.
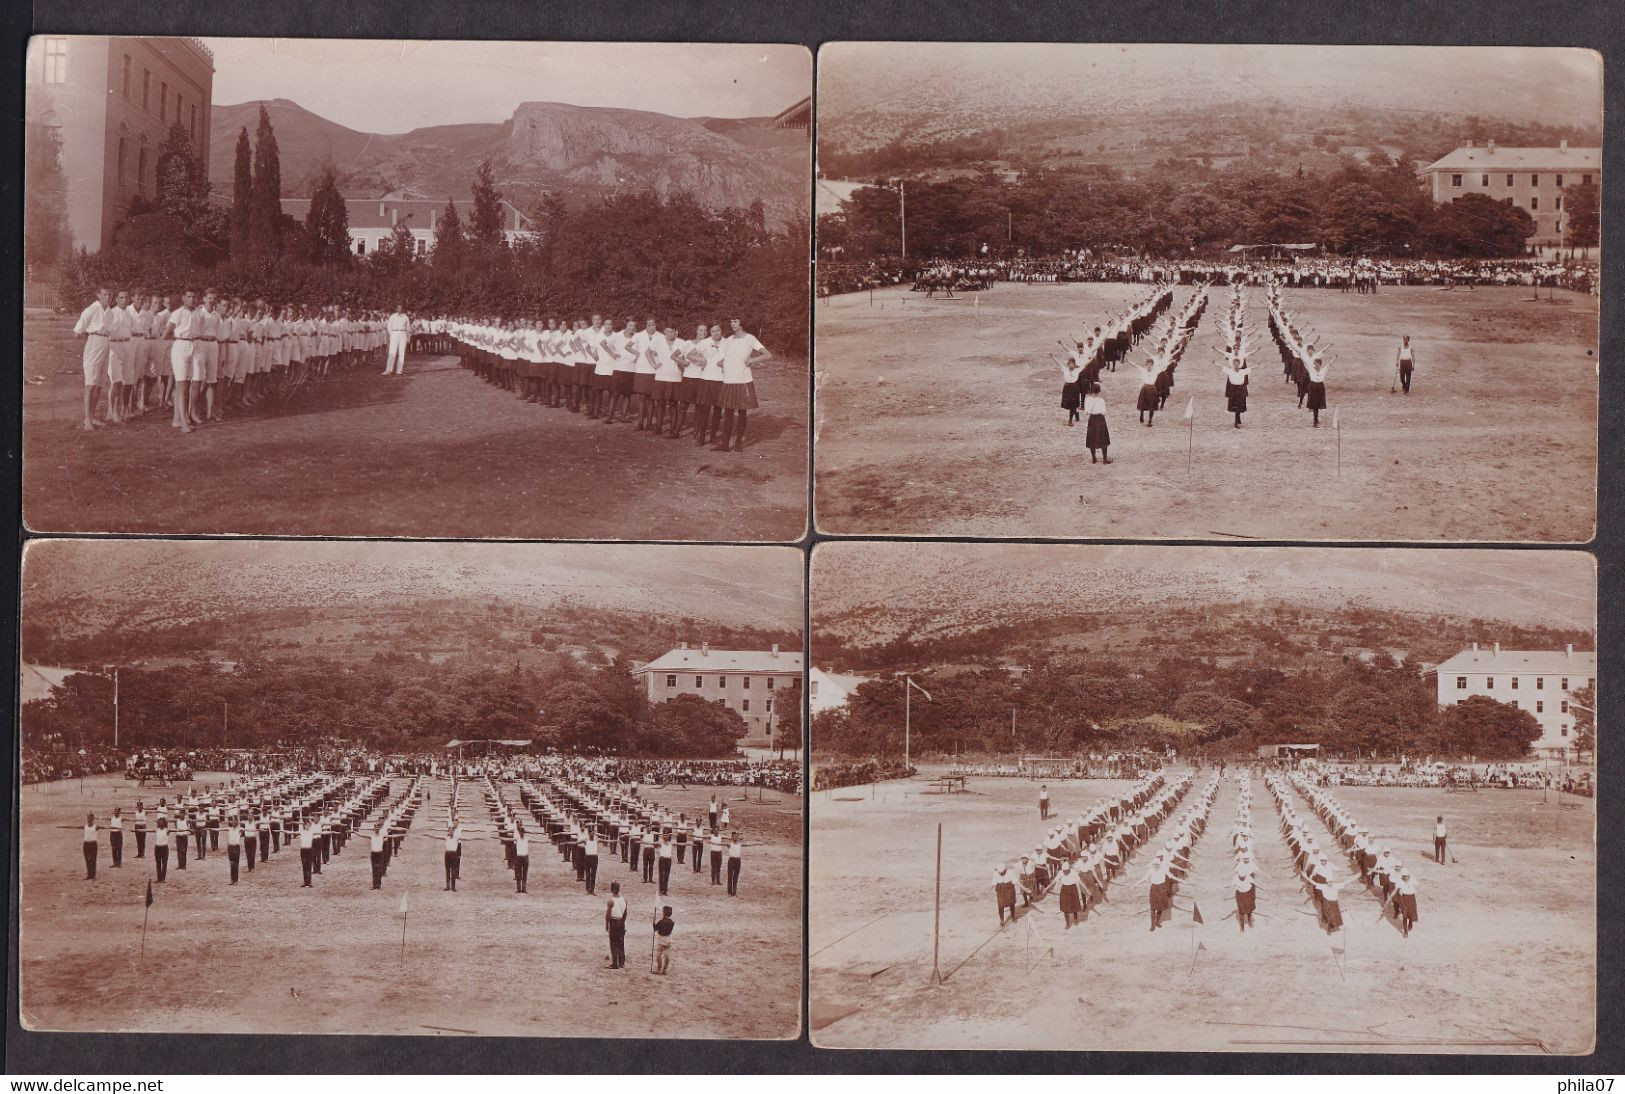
x: 750, y: 682
x: 112, y: 101
x: 1533, y: 179
x: 1540, y: 681
x: 372, y: 220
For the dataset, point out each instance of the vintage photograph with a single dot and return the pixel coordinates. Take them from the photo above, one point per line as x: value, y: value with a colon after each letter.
x: 1021, y: 246
x: 252, y: 773
x: 1217, y: 799
x: 401, y: 288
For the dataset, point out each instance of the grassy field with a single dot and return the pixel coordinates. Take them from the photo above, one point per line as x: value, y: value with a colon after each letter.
x: 943, y: 417
x: 266, y: 956
x: 1503, y: 951
x: 438, y: 455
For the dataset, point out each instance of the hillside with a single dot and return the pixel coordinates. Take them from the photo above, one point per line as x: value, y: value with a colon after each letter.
x: 576, y: 152
x: 1130, y: 108
x: 95, y: 601
x: 1001, y: 602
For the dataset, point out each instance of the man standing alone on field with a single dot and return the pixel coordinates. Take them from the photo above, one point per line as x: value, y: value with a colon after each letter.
x: 1440, y: 834
x: 615, y: 924
x: 400, y: 332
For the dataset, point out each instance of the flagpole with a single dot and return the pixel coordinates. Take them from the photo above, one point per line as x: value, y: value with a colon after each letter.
x: 907, y: 712
x: 936, y: 924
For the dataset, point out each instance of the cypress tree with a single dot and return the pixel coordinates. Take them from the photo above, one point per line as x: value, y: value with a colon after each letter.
x: 265, y: 208
x: 242, y: 191
x: 448, y: 238
x: 485, y: 220
x: 328, y: 222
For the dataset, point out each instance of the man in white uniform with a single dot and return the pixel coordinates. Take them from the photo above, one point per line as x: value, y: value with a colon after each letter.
x: 400, y: 332
x: 89, y: 327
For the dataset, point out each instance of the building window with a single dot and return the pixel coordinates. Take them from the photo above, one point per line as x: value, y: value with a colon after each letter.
x: 1534, y: 180
x: 770, y: 706
x: 360, y: 246
x: 1560, y: 182
x: 744, y: 704
x: 1565, y: 684
x: 1560, y: 203
x: 722, y: 681
x: 812, y: 689
x: 1461, y: 683
x: 1591, y: 681
x: 671, y: 680
x: 141, y: 172
x: 1564, y: 706
x: 1489, y: 683
x: 56, y: 60
x: 770, y: 683
x: 1514, y: 683
x: 194, y: 122
x: 163, y: 101
x: 747, y: 683
x: 1515, y: 705
x: 122, y: 160
x: 423, y: 246
x: 1484, y: 180
x: 1455, y: 180
x: 1534, y: 203
x: 1540, y: 683
x: 699, y: 681
x: 1585, y: 180
x: 126, y: 83
x: 146, y: 89
x: 1565, y: 731
x: 1509, y: 180
x: 1540, y: 707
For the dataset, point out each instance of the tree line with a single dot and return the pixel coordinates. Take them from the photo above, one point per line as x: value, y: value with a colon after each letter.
x: 1047, y: 706
x: 626, y: 254
x: 1374, y: 208
x: 389, y: 703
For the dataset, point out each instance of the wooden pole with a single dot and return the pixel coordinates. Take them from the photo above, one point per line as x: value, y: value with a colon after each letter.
x: 146, y: 911
x: 907, y: 713
x: 936, y: 926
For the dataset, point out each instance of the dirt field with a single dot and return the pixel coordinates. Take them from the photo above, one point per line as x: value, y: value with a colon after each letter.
x: 943, y: 417
x: 1503, y: 951
x: 437, y: 455
x: 267, y: 956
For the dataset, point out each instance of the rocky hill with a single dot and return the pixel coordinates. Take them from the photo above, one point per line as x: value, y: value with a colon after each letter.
x: 577, y: 152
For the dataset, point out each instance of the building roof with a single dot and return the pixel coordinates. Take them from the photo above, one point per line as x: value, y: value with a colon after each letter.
x: 1545, y: 662
x: 798, y: 113
x: 36, y: 681
x: 845, y: 682
x: 831, y: 194
x: 1496, y: 158
x: 365, y: 212
x: 703, y: 660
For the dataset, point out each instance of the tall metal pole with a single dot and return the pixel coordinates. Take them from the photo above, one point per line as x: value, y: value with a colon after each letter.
x: 115, y: 710
x: 225, y: 725
x: 902, y: 213
x: 907, y: 711
x: 936, y: 925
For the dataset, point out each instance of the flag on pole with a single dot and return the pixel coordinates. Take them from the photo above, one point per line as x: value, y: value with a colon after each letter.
x: 403, y: 903
x: 919, y: 689
x: 1335, y: 424
x: 1339, y: 950
x: 1196, y: 913
x: 149, y: 893
x: 1032, y: 927
x: 1190, y: 408
x: 1201, y: 947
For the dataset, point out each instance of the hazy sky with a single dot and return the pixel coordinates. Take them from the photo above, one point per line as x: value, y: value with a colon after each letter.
x: 392, y: 87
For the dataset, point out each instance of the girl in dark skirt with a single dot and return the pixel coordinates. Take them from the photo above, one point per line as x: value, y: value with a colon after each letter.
x: 1071, y: 906
x: 1405, y: 902
x: 1246, y: 899
x: 1096, y: 435
x: 1316, y: 379
x: 1146, y: 404
x: 1236, y: 373
x: 1071, y: 371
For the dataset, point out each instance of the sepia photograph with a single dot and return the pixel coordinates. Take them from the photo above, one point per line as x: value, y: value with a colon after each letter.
x: 278, y: 756
x: 1202, y: 799
x: 1021, y: 245
x: 357, y: 288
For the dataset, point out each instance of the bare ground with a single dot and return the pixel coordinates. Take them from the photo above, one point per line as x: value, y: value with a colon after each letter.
x: 266, y: 956
x: 1503, y: 952
x: 437, y: 454
x: 943, y: 417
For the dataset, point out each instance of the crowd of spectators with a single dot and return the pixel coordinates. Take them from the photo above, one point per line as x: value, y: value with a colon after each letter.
x: 855, y: 773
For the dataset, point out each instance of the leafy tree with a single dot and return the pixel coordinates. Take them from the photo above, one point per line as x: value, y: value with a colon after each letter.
x: 242, y: 195
x: 183, y: 184
x: 485, y: 219
x: 688, y: 725
x: 1583, y: 214
x: 449, y: 243
x: 1480, y: 726
x: 265, y: 203
x: 327, y: 224
x: 46, y: 235
x: 1583, y: 704
x: 787, y: 724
